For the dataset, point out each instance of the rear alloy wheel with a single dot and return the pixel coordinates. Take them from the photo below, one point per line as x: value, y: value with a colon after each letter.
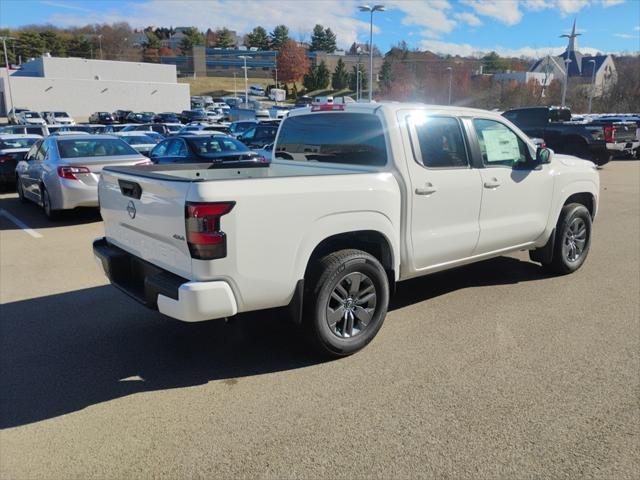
x: 46, y: 205
x: 346, y: 303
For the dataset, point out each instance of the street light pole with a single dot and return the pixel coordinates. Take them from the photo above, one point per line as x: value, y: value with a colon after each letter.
x: 100, y: 43
x: 369, y: 8
x: 358, y: 83
x: 567, y: 61
x: 246, y: 86
x: 593, y: 80
x: 235, y: 91
x: 450, y: 78
x: 6, y: 64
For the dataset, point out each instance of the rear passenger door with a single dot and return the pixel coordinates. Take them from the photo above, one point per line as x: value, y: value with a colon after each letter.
x: 445, y: 191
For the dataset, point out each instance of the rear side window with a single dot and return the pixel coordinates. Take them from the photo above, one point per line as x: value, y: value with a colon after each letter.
x: 345, y: 138
x: 438, y: 142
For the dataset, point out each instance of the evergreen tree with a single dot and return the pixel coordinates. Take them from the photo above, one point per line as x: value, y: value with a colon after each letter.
x: 340, y: 77
x: 152, y: 41
x: 279, y: 36
x: 258, y: 38
x: 353, y: 76
x: 317, y: 39
x: 386, y: 77
x: 224, y: 38
x: 28, y: 45
x: 54, y: 43
x: 79, y: 47
x: 310, y: 79
x: 329, y: 44
x: 323, y: 76
x: 192, y: 36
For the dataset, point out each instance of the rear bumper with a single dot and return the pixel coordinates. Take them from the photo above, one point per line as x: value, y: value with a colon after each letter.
x: 164, y: 291
x: 74, y: 193
x: 623, y: 146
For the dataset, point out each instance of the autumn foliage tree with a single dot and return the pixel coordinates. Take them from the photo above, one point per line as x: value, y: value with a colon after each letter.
x: 292, y: 62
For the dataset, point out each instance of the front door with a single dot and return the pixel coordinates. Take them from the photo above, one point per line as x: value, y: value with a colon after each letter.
x: 517, y: 193
x: 445, y: 191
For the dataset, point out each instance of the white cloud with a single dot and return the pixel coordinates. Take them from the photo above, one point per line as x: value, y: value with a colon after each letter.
x: 571, y: 6
x: 467, y: 50
x: 627, y: 36
x: 611, y: 3
x: 341, y: 16
x: 537, y: 5
x: 433, y: 16
x: 503, y: 11
x: 469, y: 19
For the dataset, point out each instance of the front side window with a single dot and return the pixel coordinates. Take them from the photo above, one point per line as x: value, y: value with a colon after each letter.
x: 438, y: 142
x: 161, y: 149
x: 31, y: 154
x: 94, y: 147
x: 177, y: 148
x: 499, y: 145
x: 344, y: 138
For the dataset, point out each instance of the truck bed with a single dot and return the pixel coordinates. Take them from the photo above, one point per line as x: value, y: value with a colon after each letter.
x: 202, y: 172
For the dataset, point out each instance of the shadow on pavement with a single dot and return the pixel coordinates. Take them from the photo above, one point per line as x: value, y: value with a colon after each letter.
x: 64, y: 352
x: 33, y: 216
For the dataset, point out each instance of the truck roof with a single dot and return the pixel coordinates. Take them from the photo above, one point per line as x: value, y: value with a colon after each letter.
x: 393, y: 107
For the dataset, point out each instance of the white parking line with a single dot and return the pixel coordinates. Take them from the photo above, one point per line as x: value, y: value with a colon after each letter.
x: 20, y: 224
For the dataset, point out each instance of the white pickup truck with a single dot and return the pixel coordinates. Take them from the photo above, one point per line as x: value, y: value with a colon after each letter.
x: 357, y: 198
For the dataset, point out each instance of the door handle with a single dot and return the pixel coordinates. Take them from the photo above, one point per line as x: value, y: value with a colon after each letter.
x: 427, y: 190
x: 493, y: 183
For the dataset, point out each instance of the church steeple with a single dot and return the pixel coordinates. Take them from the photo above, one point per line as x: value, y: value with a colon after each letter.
x: 572, y: 38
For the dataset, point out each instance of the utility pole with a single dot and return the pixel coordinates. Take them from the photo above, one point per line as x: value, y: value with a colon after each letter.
x: 567, y: 61
x: 246, y: 86
x: 100, y: 43
x: 235, y: 92
x: 6, y: 64
x: 368, y: 8
x: 593, y: 82
x: 450, y: 78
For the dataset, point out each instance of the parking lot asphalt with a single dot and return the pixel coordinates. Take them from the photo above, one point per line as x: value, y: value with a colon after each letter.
x: 489, y: 371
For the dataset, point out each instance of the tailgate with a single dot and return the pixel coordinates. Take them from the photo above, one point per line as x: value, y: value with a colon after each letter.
x: 146, y: 217
x: 625, y: 132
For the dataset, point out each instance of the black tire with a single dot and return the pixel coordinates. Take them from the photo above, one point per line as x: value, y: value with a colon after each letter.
x: 20, y: 190
x: 326, y: 280
x: 46, y: 205
x: 574, y: 218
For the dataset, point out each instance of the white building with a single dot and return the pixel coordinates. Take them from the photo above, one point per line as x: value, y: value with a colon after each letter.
x: 81, y: 87
x: 524, y: 77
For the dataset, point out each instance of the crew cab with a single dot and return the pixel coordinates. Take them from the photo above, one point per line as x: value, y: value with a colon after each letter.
x: 357, y: 198
x: 593, y: 140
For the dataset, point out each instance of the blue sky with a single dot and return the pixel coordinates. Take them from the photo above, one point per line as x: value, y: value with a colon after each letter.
x: 467, y: 27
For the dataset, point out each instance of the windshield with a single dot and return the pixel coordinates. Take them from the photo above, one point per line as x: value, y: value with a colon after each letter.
x: 9, y: 143
x: 138, y: 140
x: 60, y: 114
x: 94, y: 147
x: 210, y: 146
x: 349, y: 138
x: 31, y: 115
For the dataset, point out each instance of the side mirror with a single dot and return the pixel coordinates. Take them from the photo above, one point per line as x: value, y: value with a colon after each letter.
x: 543, y: 155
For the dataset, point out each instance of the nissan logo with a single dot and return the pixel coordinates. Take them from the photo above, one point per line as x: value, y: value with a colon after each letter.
x: 131, y: 210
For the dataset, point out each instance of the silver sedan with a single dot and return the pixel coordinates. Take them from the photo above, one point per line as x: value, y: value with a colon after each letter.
x: 62, y: 172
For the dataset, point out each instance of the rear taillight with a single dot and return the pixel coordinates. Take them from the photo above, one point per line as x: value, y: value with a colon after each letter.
x: 204, y: 235
x: 70, y: 172
x: 262, y: 159
x: 609, y: 134
x: 5, y: 158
